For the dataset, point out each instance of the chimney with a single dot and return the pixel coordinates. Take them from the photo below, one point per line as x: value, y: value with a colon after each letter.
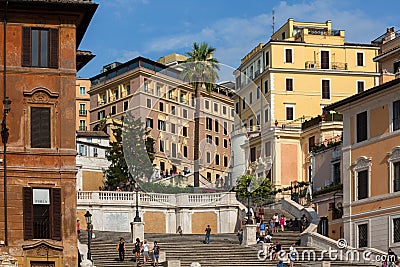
x: 389, y: 35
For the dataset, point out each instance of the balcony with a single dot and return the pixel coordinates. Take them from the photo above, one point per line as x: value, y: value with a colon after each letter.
x: 82, y: 112
x: 317, y: 120
x: 333, y: 65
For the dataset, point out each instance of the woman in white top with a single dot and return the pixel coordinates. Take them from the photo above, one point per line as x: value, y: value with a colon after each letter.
x: 145, y: 251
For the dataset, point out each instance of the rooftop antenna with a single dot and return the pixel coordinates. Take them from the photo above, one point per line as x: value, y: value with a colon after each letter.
x: 273, y: 21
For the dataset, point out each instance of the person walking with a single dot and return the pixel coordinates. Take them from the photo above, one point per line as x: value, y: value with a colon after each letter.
x: 240, y: 236
x: 145, y: 251
x: 262, y: 228
x: 78, y: 227
x: 121, y: 249
x: 136, y: 249
x: 179, y: 230
x: 271, y: 225
x: 292, y: 254
x: 276, y: 221
x: 282, y: 222
x: 156, y: 253
x: 208, y: 233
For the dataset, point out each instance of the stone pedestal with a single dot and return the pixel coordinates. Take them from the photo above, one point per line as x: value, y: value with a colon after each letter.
x: 137, y: 231
x: 174, y: 263
x: 86, y: 263
x: 249, y: 234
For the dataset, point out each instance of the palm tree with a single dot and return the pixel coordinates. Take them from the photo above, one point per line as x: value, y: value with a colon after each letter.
x: 200, y: 71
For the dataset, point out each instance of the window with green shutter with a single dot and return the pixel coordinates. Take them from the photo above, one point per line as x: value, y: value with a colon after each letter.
x: 40, y: 127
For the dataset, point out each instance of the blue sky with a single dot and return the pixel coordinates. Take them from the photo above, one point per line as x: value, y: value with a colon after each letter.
x: 124, y: 29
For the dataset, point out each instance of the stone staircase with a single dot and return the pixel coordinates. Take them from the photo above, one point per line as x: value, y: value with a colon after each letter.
x: 223, y: 250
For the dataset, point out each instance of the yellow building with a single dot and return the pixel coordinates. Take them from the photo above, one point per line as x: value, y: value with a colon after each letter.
x: 371, y: 166
x: 303, y: 68
x: 389, y: 55
x: 82, y: 104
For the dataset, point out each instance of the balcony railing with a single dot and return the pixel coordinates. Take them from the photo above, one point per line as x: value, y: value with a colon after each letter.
x: 317, y: 120
x: 82, y: 128
x: 332, y: 65
x: 82, y: 112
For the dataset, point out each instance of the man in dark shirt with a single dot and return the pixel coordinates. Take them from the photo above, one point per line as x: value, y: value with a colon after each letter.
x: 208, y: 233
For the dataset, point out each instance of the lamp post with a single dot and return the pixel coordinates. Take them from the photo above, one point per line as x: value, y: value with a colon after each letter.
x: 137, y: 216
x: 88, y: 218
x: 4, y: 139
x: 249, y: 221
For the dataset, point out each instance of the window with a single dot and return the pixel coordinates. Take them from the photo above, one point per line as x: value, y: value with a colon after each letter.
x: 173, y: 111
x: 185, y: 113
x: 216, y: 159
x: 225, y: 161
x: 185, y: 151
x: 253, y: 155
x: 396, y: 230
x: 217, y: 141
x: 283, y: 35
x: 82, y: 110
x: 162, y: 165
x: 215, y: 107
x: 173, y: 150
x: 363, y: 235
x: 360, y: 86
x: 243, y: 103
x: 324, y: 59
x: 326, y: 91
x: 396, y: 176
x: 288, y: 55
x: 258, y: 119
x: 126, y: 105
x: 251, y: 98
x: 237, y: 107
x: 82, y: 125
x: 251, y: 123
x: 209, y: 139
x: 40, y: 127
x: 266, y: 115
x: 148, y: 103
x: 289, y: 84
x: 82, y: 150
x: 225, y: 128
x: 113, y: 110
x: 161, y: 146
x: 207, y: 104
x: 360, y: 59
x: 209, y: 123
x: 258, y: 92
x: 396, y: 67
x: 95, y: 154
x: 224, y: 110
x: 362, y: 126
x: 158, y: 90
x: 101, y: 114
x: 161, y: 106
x: 396, y: 115
x: 161, y: 125
x: 82, y: 90
x: 42, y: 213
x: 267, y: 148
x: 267, y: 59
x: 266, y: 86
x: 149, y: 123
x: 289, y: 113
x: 362, y: 184
x: 39, y: 47
x: 311, y: 143
x: 226, y: 143
x: 216, y: 125
x: 336, y: 172
x: 209, y: 176
x: 128, y: 89
x: 185, y: 131
x: 208, y: 156
x: 173, y: 128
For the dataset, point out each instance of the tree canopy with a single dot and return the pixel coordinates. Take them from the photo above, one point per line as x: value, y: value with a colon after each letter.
x: 261, y: 189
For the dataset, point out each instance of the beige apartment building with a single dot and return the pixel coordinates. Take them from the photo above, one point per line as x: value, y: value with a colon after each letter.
x: 371, y: 166
x: 166, y: 105
x: 82, y: 104
x: 304, y: 67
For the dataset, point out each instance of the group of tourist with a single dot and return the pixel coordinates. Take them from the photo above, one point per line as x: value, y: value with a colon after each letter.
x: 140, y: 249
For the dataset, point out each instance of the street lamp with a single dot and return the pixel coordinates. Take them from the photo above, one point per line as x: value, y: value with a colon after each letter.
x: 4, y: 138
x: 249, y: 221
x: 88, y: 218
x: 137, y: 216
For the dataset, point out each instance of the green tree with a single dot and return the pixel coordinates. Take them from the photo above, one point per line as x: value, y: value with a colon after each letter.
x: 261, y: 189
x: 200, y: 71
x: 129, y: 153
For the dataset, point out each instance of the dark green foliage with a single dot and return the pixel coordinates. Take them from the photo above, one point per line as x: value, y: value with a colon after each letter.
x: 261, y: 189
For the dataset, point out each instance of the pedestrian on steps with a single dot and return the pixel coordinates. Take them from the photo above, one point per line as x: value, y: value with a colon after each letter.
x: 136, y: 249
x: 208, y: 233
x: 146, y: 249
x: 156, y: 253
x: 240, y: 236
x: 121, y: 249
